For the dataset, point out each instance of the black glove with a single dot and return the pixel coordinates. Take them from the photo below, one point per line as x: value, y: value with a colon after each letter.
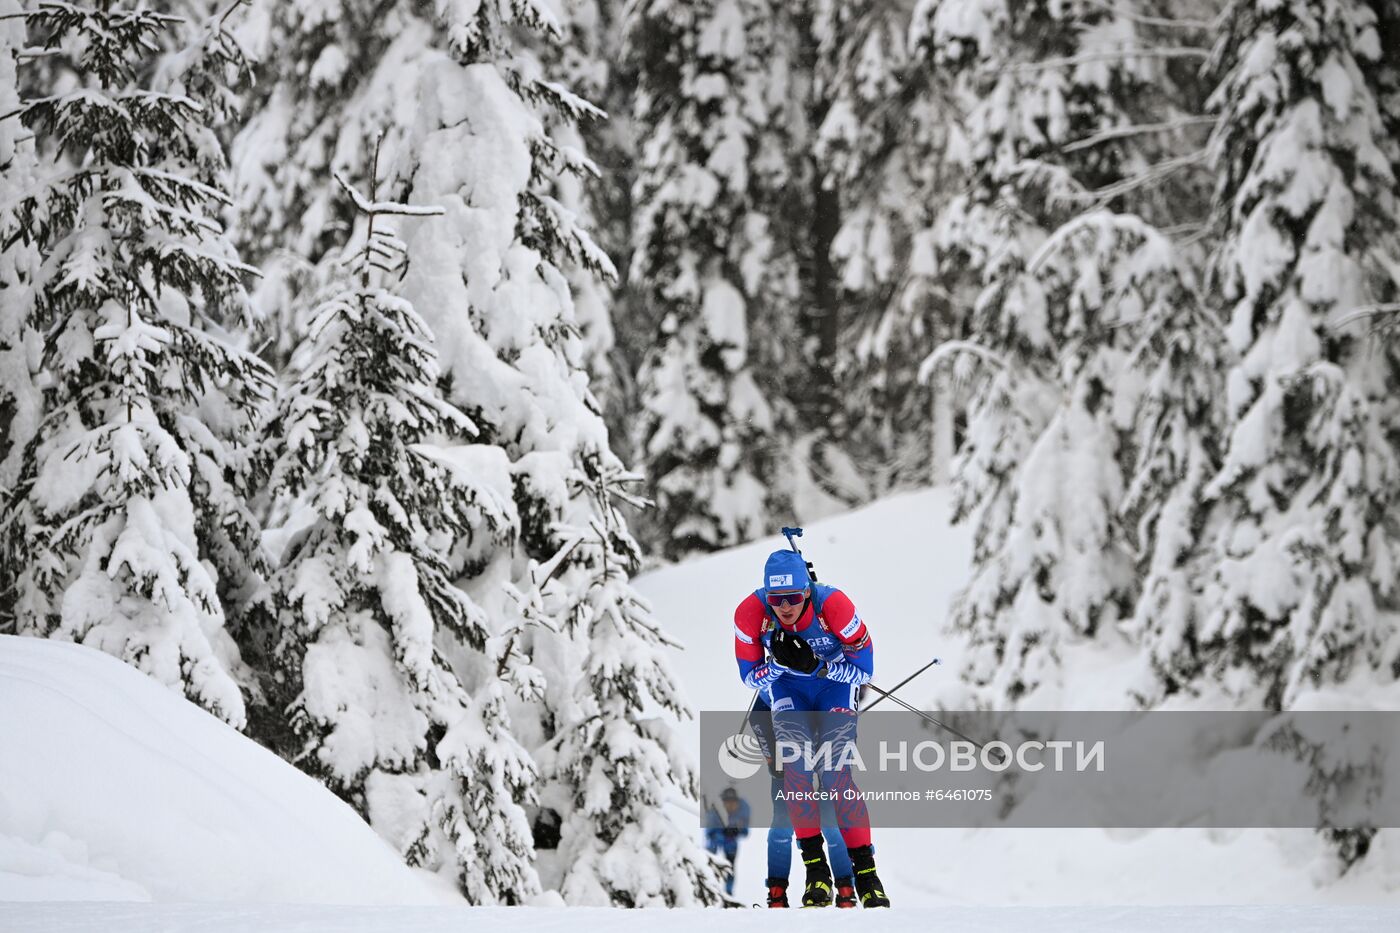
x: 731, y: 832
x: 793, y: 652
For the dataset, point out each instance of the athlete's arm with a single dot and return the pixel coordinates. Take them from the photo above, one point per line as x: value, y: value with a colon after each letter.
x: 748, y: 645
x: 857, y: 663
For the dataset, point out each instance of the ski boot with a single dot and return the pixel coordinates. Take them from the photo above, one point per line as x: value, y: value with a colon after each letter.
x: 845, y: 891
x: 818, y: 890
x: 868, y: 886
x: 777, y: 892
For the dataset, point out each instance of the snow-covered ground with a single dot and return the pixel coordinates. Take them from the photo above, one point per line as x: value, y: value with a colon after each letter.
x: 901, y: 562
x: 168, y: 918
x: 115, y: 788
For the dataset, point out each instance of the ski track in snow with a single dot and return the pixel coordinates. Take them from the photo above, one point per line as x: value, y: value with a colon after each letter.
x: 176, y: 918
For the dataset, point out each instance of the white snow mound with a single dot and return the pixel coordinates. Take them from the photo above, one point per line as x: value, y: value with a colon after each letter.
x: 113, y: 787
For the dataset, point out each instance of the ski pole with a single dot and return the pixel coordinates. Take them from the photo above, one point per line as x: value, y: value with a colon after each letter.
x: 903, y: 682
x: 748, y: 713
x: 928, y: 718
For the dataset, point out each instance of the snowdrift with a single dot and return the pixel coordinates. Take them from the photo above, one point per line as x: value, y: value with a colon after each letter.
x: 114, y: 788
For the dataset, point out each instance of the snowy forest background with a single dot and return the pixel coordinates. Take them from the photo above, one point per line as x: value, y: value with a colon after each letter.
x: 342, y: 342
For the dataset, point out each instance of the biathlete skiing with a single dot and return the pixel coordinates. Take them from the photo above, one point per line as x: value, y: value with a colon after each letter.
x: 805, y: 649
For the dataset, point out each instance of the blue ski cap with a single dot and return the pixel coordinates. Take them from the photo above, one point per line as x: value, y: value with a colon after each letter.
x: 785, y: 570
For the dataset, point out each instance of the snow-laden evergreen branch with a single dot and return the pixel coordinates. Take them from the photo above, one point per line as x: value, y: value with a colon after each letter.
x: 1113, y: 55
x: 382, y: 208
x: 1365, y: 311
x: 1152, y: 175
x: 1118, y: 132
x: 1121, y: 10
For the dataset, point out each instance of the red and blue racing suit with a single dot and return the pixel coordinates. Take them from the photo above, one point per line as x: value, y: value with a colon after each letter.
x: 839, y: 639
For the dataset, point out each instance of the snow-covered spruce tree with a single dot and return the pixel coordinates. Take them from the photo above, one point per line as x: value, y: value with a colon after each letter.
x: 20, y: 348
x: 128, y: 507
x: 795, y: 306
x: 524, y: 336
x: 1051, y: 95
x: 587, y: 58
x: 796, y: 309
x: 335, y: 77
x: 1062, y: 107
x: 1385, y: 71
x: 463, y: 127
x: 1064, y: 570
x: 615, y: 761
x: 880, y: 148
x: 1012, y: 115
x: 370, y: 623
x: 703, y: 249
x: 1180, y: 362
x: 307, y: 121
x: 1304, y: 526
x: 216, y: 72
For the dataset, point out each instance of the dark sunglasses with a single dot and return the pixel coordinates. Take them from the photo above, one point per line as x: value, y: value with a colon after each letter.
x: 779, y: 600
